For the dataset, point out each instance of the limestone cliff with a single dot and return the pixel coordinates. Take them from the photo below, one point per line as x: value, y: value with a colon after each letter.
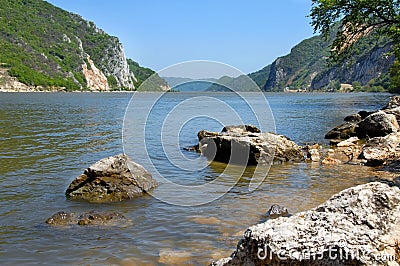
x: 369, y: 66
x: 95, y: 79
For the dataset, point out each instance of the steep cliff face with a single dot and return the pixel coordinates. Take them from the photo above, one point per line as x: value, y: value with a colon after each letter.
x: 306, y: 67
x: 370, y: 66
x: 277, y: 76
x: 114, y: 63
x: 95, y: 79
x: 45, y: 46
x: 297, y: 69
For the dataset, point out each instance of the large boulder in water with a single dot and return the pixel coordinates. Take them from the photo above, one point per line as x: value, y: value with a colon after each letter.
x: 358, y: 226
x: 114, y: 178
x: 378, y: 124
x: 246, y: 145
x: 343, y: 131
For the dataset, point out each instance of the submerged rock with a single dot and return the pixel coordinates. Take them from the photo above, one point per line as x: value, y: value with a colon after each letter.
x: 87, y: 218
x: 245, y: 145
x: 194, y: 148
x: 114, y: 178
x: 358, y: 226
x: 62, y: 218
x: 331, y: 161
x: 277, y: 211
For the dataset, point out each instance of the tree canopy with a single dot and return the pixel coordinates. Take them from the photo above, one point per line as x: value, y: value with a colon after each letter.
x: 357, y: 18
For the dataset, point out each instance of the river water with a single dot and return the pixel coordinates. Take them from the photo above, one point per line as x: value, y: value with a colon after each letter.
x: 47, y: 139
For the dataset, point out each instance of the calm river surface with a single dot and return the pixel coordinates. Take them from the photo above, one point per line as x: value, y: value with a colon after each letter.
x: 47, y: 139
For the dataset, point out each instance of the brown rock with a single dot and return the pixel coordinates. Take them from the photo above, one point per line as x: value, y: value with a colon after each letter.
x: 394, y: 102
x: 87, y: 218
x: 330, y: 161
x: 114, y: 178
x: 238, y: 146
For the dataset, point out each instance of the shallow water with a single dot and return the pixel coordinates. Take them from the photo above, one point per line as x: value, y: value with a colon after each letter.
x: 47, y: 139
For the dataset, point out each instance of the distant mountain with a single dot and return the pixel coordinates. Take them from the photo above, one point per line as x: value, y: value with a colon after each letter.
x: 188, y: 84
x: 306, y: 67
x: 242, y: 83
x: 43, y: 46
x: 142, y: 74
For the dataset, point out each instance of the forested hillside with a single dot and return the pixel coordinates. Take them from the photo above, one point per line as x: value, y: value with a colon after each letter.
x: 45, y: 46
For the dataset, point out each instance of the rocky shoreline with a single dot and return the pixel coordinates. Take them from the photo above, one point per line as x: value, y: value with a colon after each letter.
x: 358, y: 226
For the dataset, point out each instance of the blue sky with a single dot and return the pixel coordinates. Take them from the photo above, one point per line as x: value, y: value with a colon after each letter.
x: 245, y: 34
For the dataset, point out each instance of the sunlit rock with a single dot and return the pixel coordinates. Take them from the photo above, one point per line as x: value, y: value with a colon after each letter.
x: 246, y: 145
x: 358, y: 226
x: 114, y: 178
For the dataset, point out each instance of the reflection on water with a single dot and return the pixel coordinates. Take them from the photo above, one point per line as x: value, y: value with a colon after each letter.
x: 48, y: 139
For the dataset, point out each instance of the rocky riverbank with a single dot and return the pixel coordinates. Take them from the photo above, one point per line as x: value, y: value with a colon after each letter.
x: 370, y: 138
x: 358, y: 226
x: 11, y: 84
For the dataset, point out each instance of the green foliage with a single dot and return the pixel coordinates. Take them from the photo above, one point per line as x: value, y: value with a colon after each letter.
x: 395, y: 77
x: 112, y: 82
x: 333, y: 86
x: 154, y: 82
x: 357, y: 86
x: 261, y: 76
x: 300, y: 66
x: 357, y: 19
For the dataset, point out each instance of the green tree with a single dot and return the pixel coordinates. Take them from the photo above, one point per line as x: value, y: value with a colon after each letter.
x: 357, y: 18
x: 357, y: 86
